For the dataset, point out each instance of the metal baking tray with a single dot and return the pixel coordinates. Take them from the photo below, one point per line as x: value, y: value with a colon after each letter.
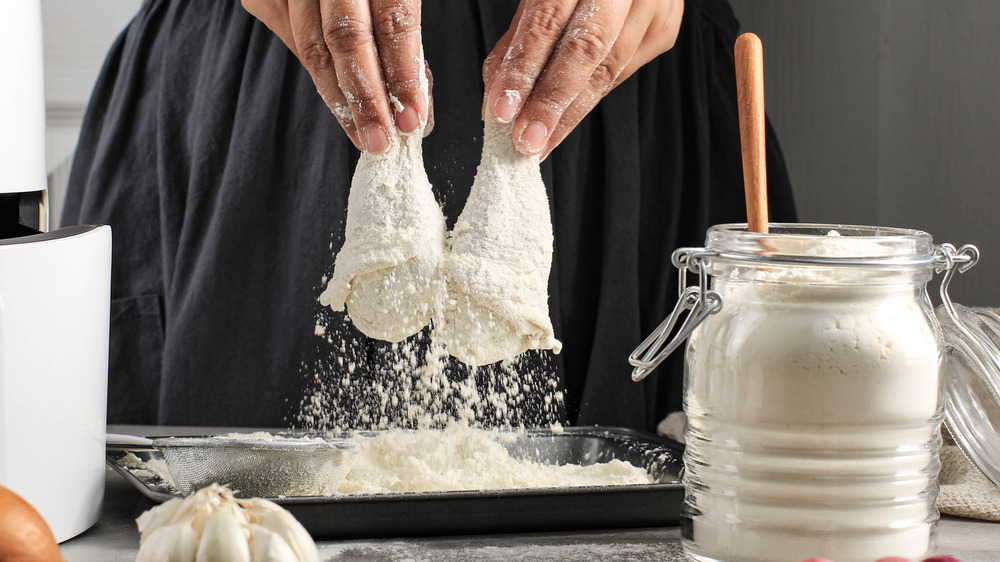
x: 490, y: 511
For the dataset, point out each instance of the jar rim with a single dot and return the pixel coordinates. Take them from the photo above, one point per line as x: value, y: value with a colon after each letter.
x: 828, y: 244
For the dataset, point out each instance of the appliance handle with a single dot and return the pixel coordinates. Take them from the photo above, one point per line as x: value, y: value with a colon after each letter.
x: 123, y: 441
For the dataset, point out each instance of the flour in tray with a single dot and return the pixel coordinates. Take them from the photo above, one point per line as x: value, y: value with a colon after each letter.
x: 147, y: 468
x: 460, y: 457
x: 456, y: 458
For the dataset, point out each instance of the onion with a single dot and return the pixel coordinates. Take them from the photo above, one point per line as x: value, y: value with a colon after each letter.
x: 24, y: 534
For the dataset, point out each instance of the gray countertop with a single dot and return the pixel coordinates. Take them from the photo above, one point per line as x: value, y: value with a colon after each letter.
x: 115, y: 538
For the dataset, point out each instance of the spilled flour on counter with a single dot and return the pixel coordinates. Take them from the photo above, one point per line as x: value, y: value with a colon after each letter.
x: 619, y: 545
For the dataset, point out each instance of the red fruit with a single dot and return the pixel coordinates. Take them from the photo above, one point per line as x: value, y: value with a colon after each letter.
x: 942, y: 558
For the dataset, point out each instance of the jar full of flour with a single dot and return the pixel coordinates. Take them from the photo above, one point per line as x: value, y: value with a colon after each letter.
x: 813, y: 391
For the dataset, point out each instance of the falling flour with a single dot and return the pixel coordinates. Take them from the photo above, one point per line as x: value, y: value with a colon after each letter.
x: 414, y: 384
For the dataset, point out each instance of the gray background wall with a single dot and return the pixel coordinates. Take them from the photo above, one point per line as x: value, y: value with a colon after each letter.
x: 76, y: 36
x: 888, y: 113
x: 888, y: 110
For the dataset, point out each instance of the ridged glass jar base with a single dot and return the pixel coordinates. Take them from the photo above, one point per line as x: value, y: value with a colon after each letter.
x: 913, y: 544
x: 763, y: 493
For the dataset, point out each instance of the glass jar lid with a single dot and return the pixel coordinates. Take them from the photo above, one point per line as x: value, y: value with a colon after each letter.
x: 972, y: 367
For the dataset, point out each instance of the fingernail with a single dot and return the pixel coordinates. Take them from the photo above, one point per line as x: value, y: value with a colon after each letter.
x: 505, y: 107
x: 407, y: 120
x: 375, y: 139
x: 532, y: 139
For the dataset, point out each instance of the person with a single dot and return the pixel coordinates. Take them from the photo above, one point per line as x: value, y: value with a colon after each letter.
x: 215, y: 146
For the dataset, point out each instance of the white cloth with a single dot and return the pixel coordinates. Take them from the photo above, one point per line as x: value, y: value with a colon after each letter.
x: 965, y: 491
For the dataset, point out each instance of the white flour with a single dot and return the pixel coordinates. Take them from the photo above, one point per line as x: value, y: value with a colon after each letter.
x: 497, y: 267
x: 464, y: 458
x: 459, y: 457
x: 151, y: 467
x: 484, y: 292
x: 412, y: 384
x: 387, y: 271
x: 812, y: 419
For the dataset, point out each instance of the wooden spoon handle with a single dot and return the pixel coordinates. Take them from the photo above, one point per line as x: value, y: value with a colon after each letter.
x: 750, y: 95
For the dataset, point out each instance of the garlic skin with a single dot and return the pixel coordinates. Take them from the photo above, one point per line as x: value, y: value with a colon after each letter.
x: 273, y: 517
x: 212, y: 524
x: 173, y: 543
x: 224, y: 538
x: 268, y: 546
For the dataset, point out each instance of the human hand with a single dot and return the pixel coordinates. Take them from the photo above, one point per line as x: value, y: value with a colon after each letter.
x: 365, y: 58
x: 560, y: 57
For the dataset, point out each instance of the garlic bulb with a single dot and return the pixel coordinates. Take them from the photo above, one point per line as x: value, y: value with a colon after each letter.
x: 211, y: 524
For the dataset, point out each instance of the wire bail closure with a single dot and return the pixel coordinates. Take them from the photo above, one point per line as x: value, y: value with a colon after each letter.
x: 700, y: 301
x: 949, y: 260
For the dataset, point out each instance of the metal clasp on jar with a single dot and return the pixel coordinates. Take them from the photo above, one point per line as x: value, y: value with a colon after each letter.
x: 950, y: 261
x: 699, y: 300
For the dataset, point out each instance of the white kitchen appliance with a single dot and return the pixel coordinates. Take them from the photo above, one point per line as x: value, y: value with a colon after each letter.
x: 54, y: 309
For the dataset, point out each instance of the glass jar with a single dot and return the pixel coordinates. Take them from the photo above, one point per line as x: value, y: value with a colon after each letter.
x: 813, y: 393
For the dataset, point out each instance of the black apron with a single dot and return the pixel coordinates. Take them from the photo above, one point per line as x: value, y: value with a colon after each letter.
x: 225, y: 180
